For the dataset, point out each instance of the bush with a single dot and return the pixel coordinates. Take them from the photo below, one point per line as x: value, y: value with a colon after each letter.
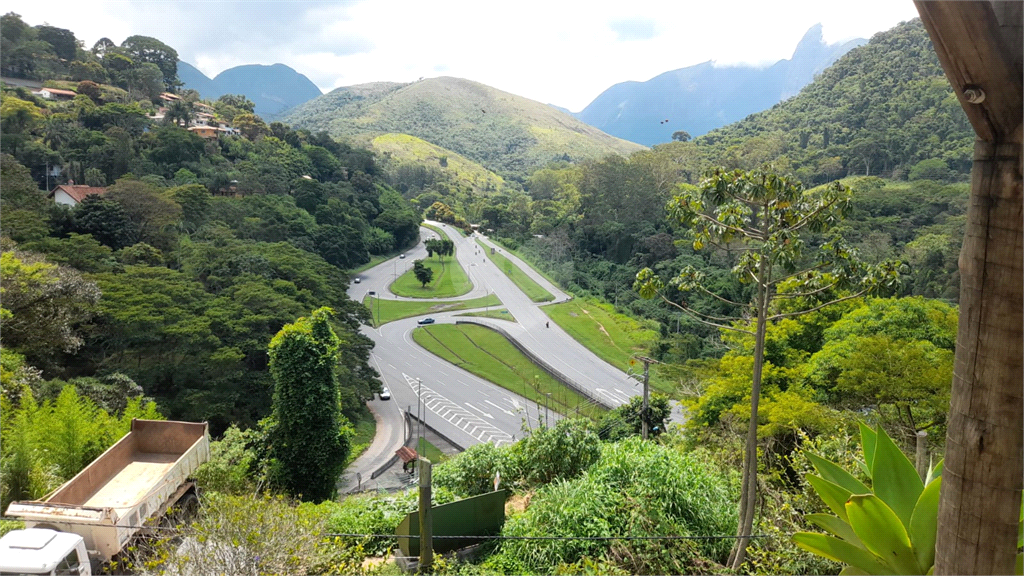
x: 254, y: 535
x: 376, y: 514
x: 472, y: 472
x: 635, y: 488
x: 558, y: 453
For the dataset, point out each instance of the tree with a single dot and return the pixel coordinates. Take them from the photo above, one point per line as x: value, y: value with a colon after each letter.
x: 106, y: 221
x: 43, y: 305
x: 251, y: 126
x: 143, y: 49
x: 764, y: 215
x: 681, y: 136
x: 150, y: 209
x: 423, y: 274
x: 63, y: 41
x: 309, y: 443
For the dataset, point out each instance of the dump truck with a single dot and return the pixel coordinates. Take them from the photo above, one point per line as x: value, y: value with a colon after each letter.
x: 88, y: 521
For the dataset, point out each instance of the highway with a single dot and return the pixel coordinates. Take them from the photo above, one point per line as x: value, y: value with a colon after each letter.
x: 458, y: 404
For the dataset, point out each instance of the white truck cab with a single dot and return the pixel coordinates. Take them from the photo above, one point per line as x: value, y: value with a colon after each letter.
x: 44, y: 551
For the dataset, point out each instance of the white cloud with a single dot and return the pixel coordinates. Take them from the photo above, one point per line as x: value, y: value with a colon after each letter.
x: 565, y: 53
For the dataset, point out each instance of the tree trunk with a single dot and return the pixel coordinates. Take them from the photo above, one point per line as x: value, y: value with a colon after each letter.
x: 981, y: 480
x: 748, y: 493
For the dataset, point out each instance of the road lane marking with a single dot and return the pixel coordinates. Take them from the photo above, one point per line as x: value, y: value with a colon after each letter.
x: 500, y: 408
x: 479, y: 410
x: 458, y: 416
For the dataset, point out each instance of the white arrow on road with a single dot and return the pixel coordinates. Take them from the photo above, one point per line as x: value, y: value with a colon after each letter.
x: 479, y: 410
x: 499, y: 408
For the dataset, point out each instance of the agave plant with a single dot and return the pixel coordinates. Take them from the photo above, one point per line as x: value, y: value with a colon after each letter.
x: 888, y: 528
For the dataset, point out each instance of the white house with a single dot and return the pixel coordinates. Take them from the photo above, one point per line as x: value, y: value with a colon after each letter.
x: 72, y: 195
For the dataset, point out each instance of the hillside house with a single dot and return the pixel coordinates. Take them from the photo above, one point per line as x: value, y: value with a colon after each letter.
x: 207, y: 132
x: 55, y: 94
x: 72, y: 194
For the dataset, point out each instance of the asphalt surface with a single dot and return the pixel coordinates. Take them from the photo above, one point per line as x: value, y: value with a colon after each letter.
x: 460, y: 405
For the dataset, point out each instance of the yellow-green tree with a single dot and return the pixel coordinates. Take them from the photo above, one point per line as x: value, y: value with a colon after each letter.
x: 765, y: 216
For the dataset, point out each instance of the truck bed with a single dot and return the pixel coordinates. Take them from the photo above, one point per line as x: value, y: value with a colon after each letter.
x: 132, y: 483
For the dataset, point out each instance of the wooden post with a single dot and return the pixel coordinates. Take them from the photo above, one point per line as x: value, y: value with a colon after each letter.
x: 921, y: 455
x: 979, y: 45
x: 426, y: 519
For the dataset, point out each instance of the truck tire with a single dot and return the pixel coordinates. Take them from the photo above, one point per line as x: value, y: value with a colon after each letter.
x: 182, y: 512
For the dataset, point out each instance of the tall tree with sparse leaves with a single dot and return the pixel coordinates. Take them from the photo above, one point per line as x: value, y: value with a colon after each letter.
x: 764, y: 215
x: 310, y: 442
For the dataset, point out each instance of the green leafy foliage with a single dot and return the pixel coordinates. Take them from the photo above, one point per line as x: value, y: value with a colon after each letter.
x: 634, y: 488
x: 887, y: 529
x: 46, y: 443
x: 308, y: 441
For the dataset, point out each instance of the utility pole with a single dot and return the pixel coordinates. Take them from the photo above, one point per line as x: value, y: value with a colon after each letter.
x: 426, y: 519
x: 644, y: 414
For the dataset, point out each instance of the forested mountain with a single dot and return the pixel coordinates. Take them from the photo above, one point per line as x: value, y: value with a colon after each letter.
x: 507, y: 134
x: 273, y: 89
x: 879, y: 110
x: 699, y: 98
x: 172, y: 281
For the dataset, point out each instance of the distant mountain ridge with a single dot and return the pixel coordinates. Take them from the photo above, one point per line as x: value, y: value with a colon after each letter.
x: 274, y: 89
x: 703, y: 97
x: 508, y: 134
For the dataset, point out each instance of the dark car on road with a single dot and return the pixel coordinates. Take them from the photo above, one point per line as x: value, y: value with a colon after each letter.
x: 425, y: 321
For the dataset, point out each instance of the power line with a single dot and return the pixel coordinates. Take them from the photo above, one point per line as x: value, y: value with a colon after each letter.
x: 462, y: 537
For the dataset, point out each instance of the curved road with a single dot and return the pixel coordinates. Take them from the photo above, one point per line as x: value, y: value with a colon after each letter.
x: 460, y: 405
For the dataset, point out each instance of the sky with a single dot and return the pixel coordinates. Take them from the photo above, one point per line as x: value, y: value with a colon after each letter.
x: 557, y: 52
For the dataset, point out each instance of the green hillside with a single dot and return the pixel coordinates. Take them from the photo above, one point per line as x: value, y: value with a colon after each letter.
x: 507, y: 134
x: 413, y: 163
x: 879, y: 110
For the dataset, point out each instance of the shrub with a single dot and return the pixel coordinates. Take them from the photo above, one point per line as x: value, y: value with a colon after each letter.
x: 635, y: 488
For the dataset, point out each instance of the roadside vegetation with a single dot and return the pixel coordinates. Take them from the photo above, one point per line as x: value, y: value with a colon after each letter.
x: 528, y: 285
x: 384, y: 310
x: 491, y: 356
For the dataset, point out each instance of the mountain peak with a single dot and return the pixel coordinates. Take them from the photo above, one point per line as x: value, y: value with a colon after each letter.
x: 273, y: 88
x: 812, y: 41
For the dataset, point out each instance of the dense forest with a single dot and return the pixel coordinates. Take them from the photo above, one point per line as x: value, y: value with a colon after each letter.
x: 161, y: 296
x: 171, y: 282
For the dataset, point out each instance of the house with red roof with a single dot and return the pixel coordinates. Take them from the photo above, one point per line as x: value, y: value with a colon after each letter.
x: 73, y: 194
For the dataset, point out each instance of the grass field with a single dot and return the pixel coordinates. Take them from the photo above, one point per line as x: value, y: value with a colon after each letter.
x: 366, y: 429
x: 530, y: 287
x: 501, y: 314
x: 612, y: 336
x: 429, y: 451
x: 384, y: 310
x: 449, y: 280
x: 489, y: 355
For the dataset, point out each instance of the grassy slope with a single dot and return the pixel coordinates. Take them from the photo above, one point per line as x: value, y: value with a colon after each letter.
x: 385, y: 311
x: 461, y: 345
x: 535, y: 291
x: 406, y: 149
x: 613, y: 337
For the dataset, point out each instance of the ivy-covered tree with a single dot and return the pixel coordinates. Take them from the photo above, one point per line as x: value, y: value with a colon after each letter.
x: 310, y: 443
x: 766, y: 217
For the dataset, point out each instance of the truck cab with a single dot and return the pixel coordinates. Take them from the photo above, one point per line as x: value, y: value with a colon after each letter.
x: 44, y: 551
